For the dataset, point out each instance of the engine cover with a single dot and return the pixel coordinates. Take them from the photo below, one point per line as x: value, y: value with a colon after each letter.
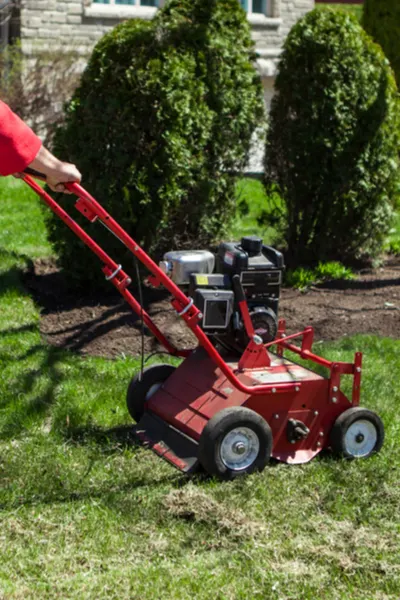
x: 180, y: 264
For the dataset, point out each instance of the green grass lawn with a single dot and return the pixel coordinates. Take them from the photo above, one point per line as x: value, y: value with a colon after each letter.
x: 256, y: 213
x: 355, y: 9
x: 84, y: 514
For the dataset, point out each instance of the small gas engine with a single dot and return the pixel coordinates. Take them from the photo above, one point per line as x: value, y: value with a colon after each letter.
x: 217, y: 283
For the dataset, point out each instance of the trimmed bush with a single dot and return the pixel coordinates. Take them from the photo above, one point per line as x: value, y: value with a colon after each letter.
x: 333, y: 140
x: 160, y: 126
x: 381, y: 19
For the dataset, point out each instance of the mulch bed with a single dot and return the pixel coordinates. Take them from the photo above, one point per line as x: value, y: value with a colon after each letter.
x: 106, y: 326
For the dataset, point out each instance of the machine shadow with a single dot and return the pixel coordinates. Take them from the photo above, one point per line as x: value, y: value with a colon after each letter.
x: 69, y: 322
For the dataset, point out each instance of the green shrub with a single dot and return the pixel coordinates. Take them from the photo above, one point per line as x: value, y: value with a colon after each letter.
x: 302, y: 278
x: 333, y: 140
x: 160, y: 126
x: 381, y: 19
x: 355, y: 9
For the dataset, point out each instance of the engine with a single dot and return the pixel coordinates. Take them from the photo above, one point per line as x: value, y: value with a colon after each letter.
x: 217, y: 283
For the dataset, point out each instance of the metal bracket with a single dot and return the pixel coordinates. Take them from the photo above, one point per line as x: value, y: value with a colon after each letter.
x: 188, y: 307
x: 117, y: 270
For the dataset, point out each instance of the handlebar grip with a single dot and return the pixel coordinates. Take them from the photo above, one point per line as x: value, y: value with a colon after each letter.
x: 71, y: 187
x: 75, y: 188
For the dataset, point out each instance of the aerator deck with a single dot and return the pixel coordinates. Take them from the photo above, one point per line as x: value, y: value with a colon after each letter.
x: 299, y: 405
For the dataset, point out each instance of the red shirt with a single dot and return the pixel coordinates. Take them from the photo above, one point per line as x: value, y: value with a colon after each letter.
x: 18, y: 144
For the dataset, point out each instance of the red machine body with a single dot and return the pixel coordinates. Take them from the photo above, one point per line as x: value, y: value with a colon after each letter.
x: 288, y: 396
x: 198, y: 390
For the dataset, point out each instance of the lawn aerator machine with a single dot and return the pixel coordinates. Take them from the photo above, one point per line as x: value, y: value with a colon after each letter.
x: 232, y: 403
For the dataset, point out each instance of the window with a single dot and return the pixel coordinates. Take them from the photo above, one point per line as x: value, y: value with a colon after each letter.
x: 255, y: 6
x: 129, y: 2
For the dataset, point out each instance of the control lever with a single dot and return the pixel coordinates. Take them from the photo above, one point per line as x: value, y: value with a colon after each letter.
x: 240, y: 298
x: 34, y: 173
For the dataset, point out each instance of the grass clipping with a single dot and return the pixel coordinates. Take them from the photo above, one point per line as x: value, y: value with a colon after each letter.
x: 194, y: 505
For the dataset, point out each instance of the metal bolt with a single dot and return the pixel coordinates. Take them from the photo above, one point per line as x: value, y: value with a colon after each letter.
x: 257, y: 340
x: 136, y: 248
x: 321, y: 434
x: 335, y: 389
x: 316, y: 413
x: 200, y: 316
x: 274, y: 390
x: 297, y: 388
x: 276, y: 416
x: 292, y: 441
x: 358, y: 369
x: 239, y: 448
x: 334, y: 400
x: 319, y: 444
x: 128, y: 281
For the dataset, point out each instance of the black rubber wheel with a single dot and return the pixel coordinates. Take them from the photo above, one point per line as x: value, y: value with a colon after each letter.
x: 139, y: 391
x: 357, y: 433
x: 236, y: 441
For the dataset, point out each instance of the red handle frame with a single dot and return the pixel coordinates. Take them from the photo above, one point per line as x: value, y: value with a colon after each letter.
x: 184, y: 306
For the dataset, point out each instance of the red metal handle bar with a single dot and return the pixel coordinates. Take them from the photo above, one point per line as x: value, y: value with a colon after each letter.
x: 189, y: 313
x: 109, y: 264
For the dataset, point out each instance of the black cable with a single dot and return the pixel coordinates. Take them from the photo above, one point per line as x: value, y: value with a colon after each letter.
x: 141, y: 317
x: 155, y: 354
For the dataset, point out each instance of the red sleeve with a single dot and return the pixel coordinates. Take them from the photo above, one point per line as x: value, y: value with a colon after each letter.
x: 18, y: 144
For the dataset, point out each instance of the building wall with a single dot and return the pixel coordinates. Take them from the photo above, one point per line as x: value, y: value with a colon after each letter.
x: 78, y: 24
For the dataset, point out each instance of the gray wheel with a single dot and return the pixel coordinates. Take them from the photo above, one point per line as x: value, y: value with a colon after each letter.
x: 140, y: 390
x: 357, y: 433
x: 235, y: 441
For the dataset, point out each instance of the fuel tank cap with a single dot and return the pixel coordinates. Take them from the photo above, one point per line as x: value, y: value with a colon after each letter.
x: 251, y: 244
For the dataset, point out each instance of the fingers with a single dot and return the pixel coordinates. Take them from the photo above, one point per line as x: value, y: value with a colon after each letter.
x: 65, y: 173
x: 74, y: 175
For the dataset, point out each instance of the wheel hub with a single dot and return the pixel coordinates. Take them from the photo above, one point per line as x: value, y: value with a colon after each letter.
x: 239, y: 448
x: 360, y: 438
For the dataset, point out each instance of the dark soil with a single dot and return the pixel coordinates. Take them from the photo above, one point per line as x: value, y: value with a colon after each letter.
x: 106, y: 326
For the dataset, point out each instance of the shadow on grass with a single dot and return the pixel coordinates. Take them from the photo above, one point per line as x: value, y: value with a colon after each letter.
x: 20, y: 406
x: 106, y: 492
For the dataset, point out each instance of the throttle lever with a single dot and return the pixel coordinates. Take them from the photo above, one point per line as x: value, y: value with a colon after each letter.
x: 34, y: 173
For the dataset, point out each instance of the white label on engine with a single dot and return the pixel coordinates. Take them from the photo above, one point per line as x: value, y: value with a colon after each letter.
x: 228, y: 258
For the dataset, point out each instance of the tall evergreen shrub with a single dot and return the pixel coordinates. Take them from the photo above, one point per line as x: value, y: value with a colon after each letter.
x: 333, y: 140
x: 160, y: 125
x: 381, y: 19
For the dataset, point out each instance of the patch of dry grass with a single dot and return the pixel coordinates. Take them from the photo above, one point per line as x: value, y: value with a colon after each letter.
x: 193, y: 504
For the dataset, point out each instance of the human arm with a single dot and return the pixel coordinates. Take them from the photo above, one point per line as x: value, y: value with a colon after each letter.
x: 57, y: 172
x: 20, y: 148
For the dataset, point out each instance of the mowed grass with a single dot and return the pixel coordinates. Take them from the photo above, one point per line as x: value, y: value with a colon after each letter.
x: 87, y: 514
